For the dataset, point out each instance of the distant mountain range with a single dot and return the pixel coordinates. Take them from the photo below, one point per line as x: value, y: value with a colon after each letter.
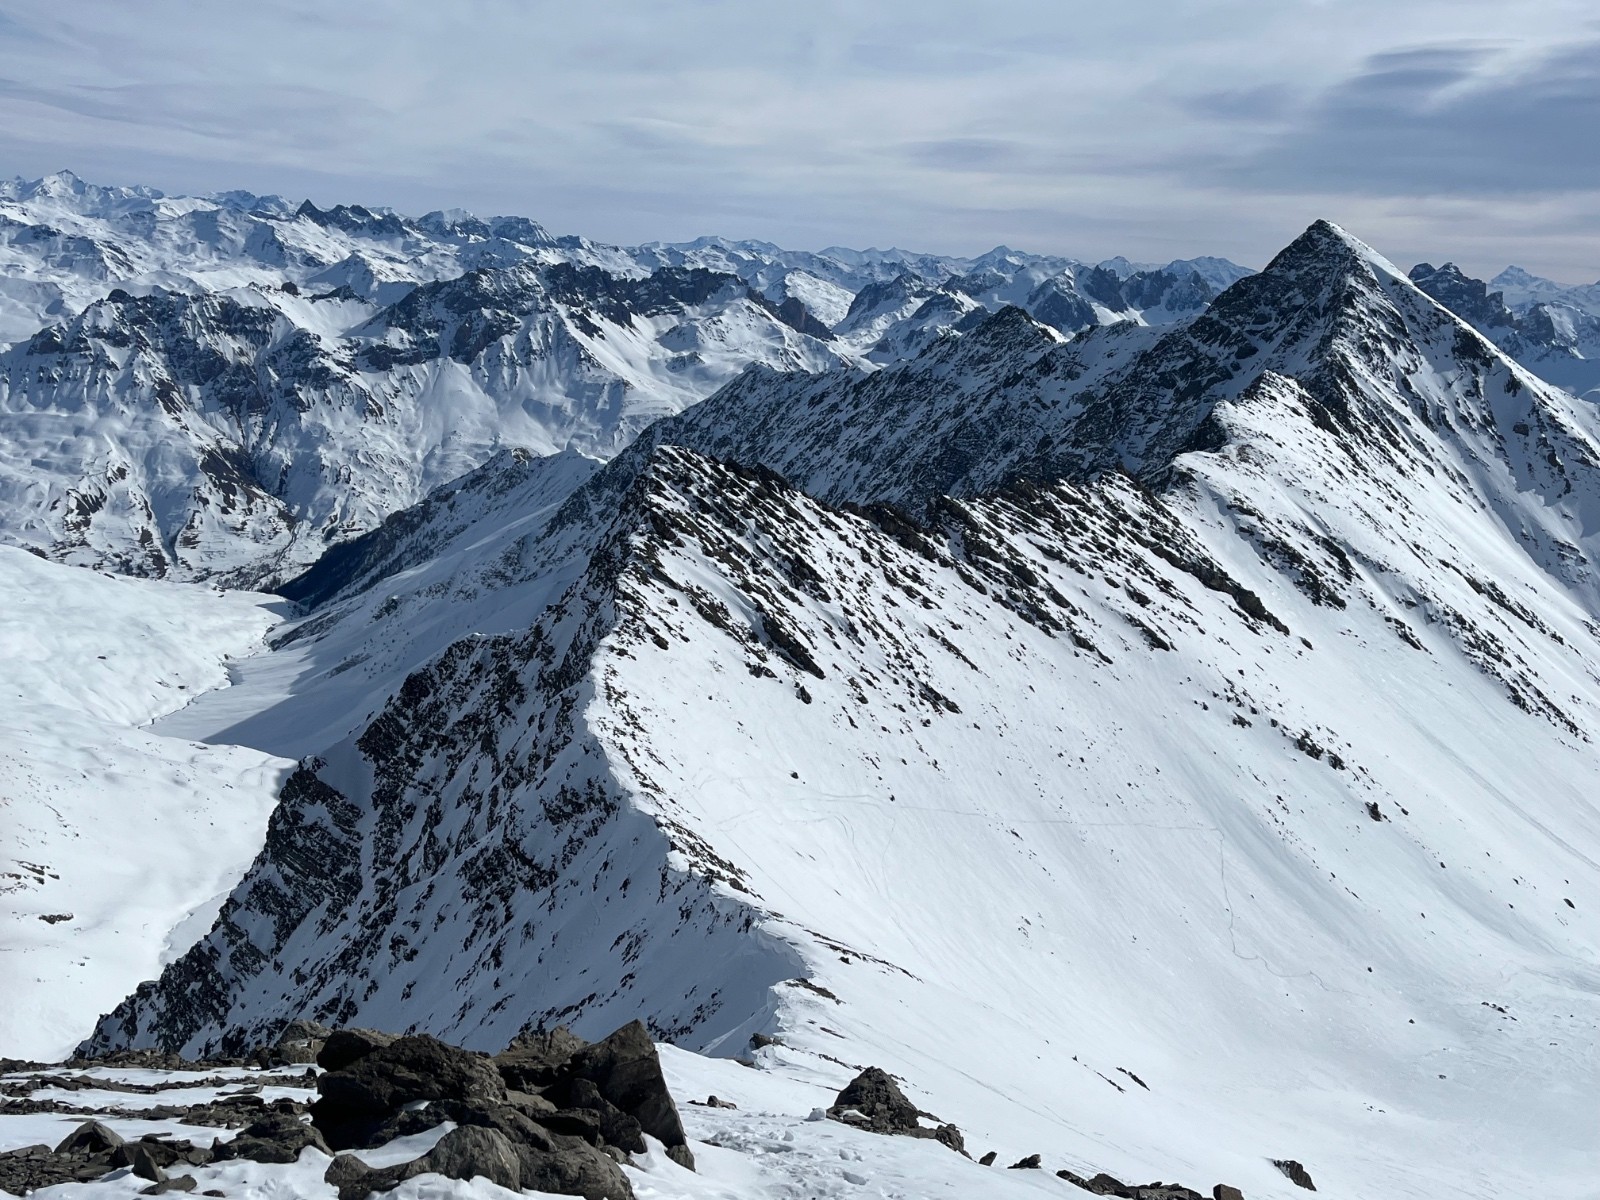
x: 220, y: 388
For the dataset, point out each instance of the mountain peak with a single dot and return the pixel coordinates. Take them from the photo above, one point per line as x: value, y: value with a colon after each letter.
x: 1322, y: 245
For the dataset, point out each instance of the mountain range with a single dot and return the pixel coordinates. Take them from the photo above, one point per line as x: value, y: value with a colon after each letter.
x: 1149, y: 711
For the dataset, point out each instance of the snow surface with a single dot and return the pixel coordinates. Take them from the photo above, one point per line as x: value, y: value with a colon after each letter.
x: 768, y: 1148
x: 118, y: 844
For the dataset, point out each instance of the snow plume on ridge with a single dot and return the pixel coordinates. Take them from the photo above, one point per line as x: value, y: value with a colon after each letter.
x: 1249, y: 684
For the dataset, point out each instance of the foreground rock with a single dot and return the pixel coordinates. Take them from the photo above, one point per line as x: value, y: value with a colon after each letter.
x: 551, y: 1113
x: 87, y: 1153
x: 873, y: 1101
x: 276, y: 1138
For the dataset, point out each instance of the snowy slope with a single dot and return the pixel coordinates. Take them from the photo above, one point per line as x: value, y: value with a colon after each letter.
x: 119, y: 844
x: 1262, y: 772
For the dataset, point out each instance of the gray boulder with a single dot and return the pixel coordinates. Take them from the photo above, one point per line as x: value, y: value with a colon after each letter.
x: 470, y: 1151
x: 299, y: 1043
x: 1297, y: 1174
x: 537, y: 1060
x: 345, y: 1046
x: 177, y: 1183
x: 626, y: 1070
x: 90, y: 1138
x: 882, y: 1106
x: 140, y: 1159
x: 278, y: 1138
x: 357, y: 1098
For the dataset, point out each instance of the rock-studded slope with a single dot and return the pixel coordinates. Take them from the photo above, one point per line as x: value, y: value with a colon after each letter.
x: 234, y: 436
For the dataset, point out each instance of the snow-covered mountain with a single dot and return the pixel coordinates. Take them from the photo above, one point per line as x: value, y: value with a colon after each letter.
x: 1171, y: 748
x: 1553, y: 332
x: 235, y: 435
x: 1522, y: 290
x: 221, y: 387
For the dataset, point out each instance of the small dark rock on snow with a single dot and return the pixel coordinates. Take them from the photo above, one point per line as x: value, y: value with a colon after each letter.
x: 1297, y: 1174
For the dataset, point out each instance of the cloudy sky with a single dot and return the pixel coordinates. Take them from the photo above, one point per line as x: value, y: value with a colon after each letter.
x: 1462, y: 129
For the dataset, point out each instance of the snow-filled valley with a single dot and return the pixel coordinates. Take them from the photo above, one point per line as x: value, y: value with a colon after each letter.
x: 120, y: 843
x: 1162, y: 737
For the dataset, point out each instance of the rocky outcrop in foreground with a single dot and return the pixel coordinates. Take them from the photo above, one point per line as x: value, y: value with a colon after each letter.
x: 552, y: 1113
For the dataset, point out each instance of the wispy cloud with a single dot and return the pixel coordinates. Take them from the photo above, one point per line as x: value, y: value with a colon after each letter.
x: 1190, y: 126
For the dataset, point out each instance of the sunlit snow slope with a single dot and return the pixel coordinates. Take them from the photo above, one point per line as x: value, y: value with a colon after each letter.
x: 118, y: 844
x: 1213, y: 784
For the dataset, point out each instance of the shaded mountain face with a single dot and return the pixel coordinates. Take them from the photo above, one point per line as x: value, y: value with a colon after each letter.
x: 1556, y: 336
x: 1117, y: 699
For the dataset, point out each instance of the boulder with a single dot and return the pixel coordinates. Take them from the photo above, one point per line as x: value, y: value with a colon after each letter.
x: 1031, y: 1163
x: 355, y: 1099
x: 988, y: 1160
x: 345, y: 1046
x: 576, y: 1170
x: 948, y: 1135
x: 880, y: 1102
x: 1225, y: 1191
x: 616, y: 1127
x: 90, y: 1138
x: 278, y: 1138
x: 470, y: 1151
x: 141, y: 1159
x: 165, y: 1152
x: 536, y: 1060
x: 1297, y: 1174
x: 299, y: 1042
x: 177, y: 1183
x: 626, y: 1070
x: 352, y: 1178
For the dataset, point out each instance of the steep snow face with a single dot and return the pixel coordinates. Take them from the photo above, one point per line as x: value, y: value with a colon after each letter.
x: 235, y: 436
x: 119, y: 844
